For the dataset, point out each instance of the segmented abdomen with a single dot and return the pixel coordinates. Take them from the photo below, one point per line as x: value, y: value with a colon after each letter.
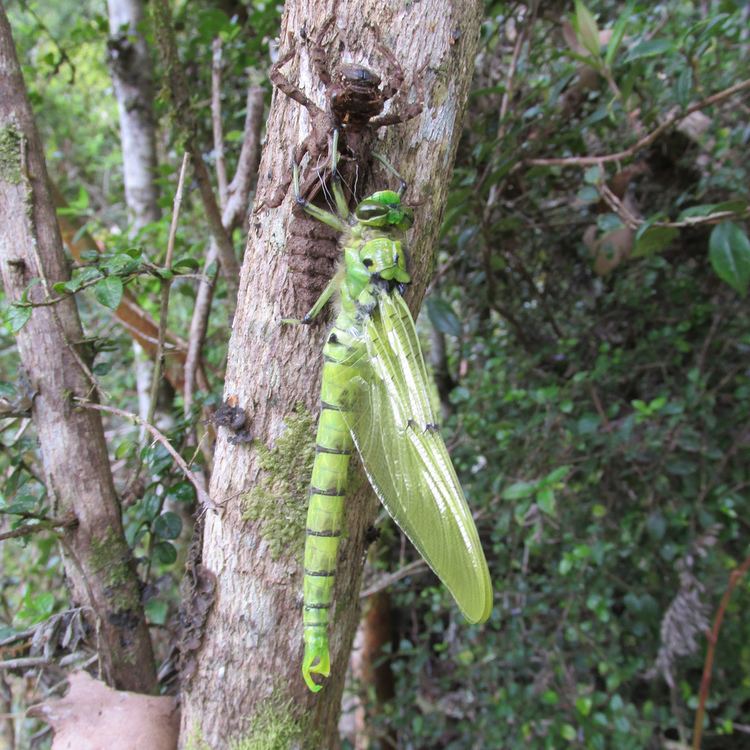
x: 328, y: 485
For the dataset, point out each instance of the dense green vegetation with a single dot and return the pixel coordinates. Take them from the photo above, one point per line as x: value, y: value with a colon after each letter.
x: 595, y: 380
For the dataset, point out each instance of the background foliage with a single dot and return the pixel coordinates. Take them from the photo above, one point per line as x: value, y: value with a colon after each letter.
x: 591, y: 363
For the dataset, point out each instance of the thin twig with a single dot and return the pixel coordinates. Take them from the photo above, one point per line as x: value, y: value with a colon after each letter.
x: 713, y: 639
x: 416, y: 566
x: 165, y: 287
x: 25, y: 662
x: 161, y: 438
x: 635, y: 222
x: 25, y: 530
x: 591, y: 161
x: 232, y: 214
x: 507, y: 97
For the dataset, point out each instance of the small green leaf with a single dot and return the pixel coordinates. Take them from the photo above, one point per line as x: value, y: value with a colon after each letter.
x: 109, y: 291
x: 165, y: 274
x: 593, y: 176
x: 183, y: 491
x: 17, y: 317
x: 656, y: 525
x: 545, y: 499
x: 616, y: 39
x: 588, y: 32
x: 684, y: 87
x: 519, y: 490
x: 124, y: 449
x: 584, y: 705
x: 165, y: 553
x: 588, y: 194
x: 557, y: 474
x: 442, y: 316
x: 566, y: 565
x: 609, y: 222
x: 568, y: 732
x: 650, y: 48
x: 729, y: 252
x: 653, y: 240
x: 168, y: 525
x: 186, y: 264
x: 121, y: 264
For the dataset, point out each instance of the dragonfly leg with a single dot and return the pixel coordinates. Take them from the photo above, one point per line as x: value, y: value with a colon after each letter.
x: 342, y: 206
x: 317, y: 213
x: 320, y: 303
x: 393, y: 171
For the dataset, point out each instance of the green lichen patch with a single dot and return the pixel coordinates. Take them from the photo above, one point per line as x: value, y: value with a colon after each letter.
x: 275, y: 728
x: 279, y: 499
x: 195, y: 739
x: 11, y: 143
x: 111, y: 560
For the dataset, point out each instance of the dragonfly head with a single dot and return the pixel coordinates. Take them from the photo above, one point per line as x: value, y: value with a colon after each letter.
x: 384, y: 209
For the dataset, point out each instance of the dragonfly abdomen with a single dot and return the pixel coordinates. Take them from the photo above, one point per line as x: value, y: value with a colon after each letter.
x: 325, y: 514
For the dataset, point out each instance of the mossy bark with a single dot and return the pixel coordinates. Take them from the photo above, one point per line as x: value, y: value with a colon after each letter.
x: 253, y: 639
x: 98, y: 563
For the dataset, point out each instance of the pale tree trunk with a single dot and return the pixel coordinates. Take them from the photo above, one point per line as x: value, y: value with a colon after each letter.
x: 98, y: 564
x: 130, y: 66
x: 248, y: 682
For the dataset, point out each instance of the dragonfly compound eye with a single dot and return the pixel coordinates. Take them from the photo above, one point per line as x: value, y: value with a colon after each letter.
x: 371, y: 213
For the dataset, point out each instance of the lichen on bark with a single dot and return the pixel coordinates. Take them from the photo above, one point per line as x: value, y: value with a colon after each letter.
x: 11, y: 143
x: 279, y: 499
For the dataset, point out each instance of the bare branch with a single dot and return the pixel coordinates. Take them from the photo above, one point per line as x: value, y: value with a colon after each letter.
x: 591, y: 161
x: 165, y: 287
x: 416, y: 566
x: 193, y: 478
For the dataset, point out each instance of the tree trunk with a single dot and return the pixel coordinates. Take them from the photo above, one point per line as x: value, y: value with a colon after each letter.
x: 130, y: 65
x: 98, y: 563
x: 248, y: 679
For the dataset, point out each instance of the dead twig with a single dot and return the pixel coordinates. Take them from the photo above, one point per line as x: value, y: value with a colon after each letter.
x: 713, y: 639
x: 203, y: 496
x: 647, y: 140
x: 416, y: 566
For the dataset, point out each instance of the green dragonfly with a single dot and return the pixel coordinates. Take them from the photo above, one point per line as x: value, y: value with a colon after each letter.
x: 375, y: 397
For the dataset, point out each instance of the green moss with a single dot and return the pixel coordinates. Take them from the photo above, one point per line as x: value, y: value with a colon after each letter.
x: 275, y: 728
x: 279, y: 499
x: 110, y: 559
x: 195, y: 739
x: 11, y: 143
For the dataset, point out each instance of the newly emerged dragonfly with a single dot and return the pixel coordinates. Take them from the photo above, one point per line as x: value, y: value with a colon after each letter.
x: 375, y: 397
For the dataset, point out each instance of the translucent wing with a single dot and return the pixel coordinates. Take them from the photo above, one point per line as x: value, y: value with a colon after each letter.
x: 406, y: 459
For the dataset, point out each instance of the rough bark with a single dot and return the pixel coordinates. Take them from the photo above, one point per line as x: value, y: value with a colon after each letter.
x: 130, y: 66
x: 98, y: 562
x: 249, y: 664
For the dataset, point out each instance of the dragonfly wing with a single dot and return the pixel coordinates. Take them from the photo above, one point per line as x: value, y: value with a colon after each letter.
x: 407, y: 462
